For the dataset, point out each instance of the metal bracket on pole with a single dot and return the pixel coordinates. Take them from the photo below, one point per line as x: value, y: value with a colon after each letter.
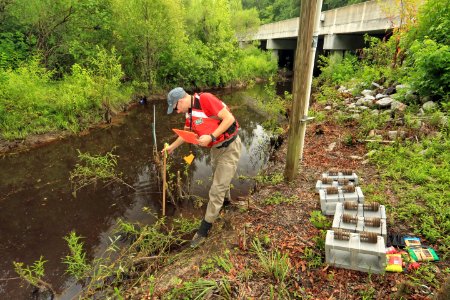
x: 306, y: 119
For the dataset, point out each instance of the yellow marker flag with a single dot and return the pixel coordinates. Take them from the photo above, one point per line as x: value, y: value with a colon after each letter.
x: 188, y: 159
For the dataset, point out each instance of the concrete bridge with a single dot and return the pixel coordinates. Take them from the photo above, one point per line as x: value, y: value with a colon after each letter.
x: 340, y: 29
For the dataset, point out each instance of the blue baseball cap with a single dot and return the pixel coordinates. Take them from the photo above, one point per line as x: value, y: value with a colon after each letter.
x: 173, y: 96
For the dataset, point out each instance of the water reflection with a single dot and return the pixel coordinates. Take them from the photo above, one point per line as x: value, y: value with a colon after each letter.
x: 37, y: 208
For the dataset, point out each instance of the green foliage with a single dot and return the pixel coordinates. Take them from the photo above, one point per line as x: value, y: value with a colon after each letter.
x: 422, y: 177
x: 217, y: 261
x: 32, y: 103
x: 319, y: 220
x: 252, y: 62
x: 94, y: 168
x: 273, y: 263
x: 200, y: 288
x: 13, y: 49
x: 430, y: 73
x: 278, y: 198
x: 425, y: 274
x: 76, y: 262
x: 270, y: 179
x: 32, y: 274
x: 184, y: 225
x: 329, y: 95
x: 433, y: 22
x: 367, y: 122
x: 337, y: 69
x: 313, y: 257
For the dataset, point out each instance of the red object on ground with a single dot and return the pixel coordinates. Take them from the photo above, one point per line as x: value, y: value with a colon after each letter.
x: 187, y: 136
x: 413, y: 266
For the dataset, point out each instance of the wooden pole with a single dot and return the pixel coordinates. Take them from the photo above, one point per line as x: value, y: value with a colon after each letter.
x: 303, y: 67
x: 164, y: 182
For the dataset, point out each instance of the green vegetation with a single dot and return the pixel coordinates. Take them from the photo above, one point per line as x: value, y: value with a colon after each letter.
x: 94, y: 168
x: 421, y: 174
x: 278, y: 198
x: 66, y: 66
x: 77, y: 265
x: 270, y: 179
x: 33, y: 274
x: 417, y: 170
x: 201, y: 288
x: 319, y: 220
x: 273, y: 263
x: 104, y: 275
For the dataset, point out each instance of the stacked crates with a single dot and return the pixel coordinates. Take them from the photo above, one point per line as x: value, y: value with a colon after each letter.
x: 357, y: 240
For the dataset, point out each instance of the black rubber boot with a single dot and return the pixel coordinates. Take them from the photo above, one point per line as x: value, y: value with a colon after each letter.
x: 202, y: 232
x: 226, y: 202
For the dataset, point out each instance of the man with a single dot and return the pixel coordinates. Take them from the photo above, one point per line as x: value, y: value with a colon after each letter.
x: 217, y: 129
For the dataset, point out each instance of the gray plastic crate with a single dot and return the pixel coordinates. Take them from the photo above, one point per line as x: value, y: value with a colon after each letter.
x: 355, y: 254
x: 320, y: 185
x: 353, y: 177
x: 360, y: 224
x: 328, y: 201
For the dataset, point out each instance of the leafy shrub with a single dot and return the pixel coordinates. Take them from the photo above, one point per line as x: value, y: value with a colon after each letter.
x: 430, y: 72
x: 338, y: 70
x: 434, y: 22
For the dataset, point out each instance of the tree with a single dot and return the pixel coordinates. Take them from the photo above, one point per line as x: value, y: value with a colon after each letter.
x: 145, y: 31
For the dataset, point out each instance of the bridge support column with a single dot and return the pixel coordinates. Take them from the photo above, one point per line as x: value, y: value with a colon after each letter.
x: 343, y: 42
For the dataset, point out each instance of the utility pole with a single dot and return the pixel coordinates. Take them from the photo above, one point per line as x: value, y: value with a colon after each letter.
x: 303, y: 68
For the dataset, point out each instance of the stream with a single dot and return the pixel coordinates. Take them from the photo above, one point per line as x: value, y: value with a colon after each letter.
x: 37, y: 208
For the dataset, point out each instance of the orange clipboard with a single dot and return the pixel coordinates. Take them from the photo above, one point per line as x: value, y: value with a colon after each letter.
x: 187, y: 136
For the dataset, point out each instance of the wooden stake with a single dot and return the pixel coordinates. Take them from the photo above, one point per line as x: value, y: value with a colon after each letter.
x: 164, y: 182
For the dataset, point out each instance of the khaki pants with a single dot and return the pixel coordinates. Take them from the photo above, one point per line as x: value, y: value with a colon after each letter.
x: 224, y: 162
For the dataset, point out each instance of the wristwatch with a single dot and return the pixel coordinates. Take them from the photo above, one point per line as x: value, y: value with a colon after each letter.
x: 213, y: 138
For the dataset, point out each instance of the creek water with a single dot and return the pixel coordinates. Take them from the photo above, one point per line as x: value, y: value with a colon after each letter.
x: 37, y: 208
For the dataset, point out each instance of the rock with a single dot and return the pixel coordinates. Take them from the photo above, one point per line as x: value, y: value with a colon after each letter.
x: 351, y: 105
x: 375, y: 112
x: 327, y: 107
x: 411, y: 97
x: 342, y: 89
x: 429, y: 106
x: 390, y: 90
x: 384, y: 103
x: 380, y: 96
x: 355, y: 157
x: 367, y: 101
x: 367, y: 93
x: 370, y: 153
x: 425, y: 99
x: 376, y: 85
x: 393, y: 135
x: 362, y: 107
x: 331, y: 147
x: 398, y: 106
x: 401, y: 86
